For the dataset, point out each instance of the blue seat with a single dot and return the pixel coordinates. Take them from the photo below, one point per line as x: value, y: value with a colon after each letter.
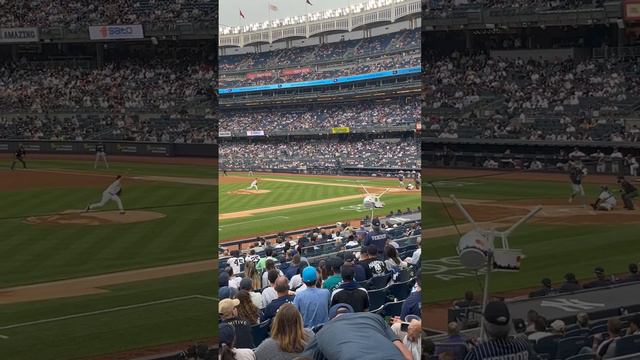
x: 401, y: 290
x: 377, y: 298
x: 392, y: 308
x: 260, y: 332
x: 548, y: 345
x: 628, y: 345
x: 404, y: 275
x: 582, y: 357
x: 570, y: 346
x: 453, y: 348
x: 577, y: 332
x: 599, y: 329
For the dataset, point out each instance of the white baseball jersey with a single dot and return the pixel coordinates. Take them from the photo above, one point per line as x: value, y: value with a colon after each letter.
x: 607, y: 199
x: 114, y: 188
x: 235, y: 263
x: 254, y: 183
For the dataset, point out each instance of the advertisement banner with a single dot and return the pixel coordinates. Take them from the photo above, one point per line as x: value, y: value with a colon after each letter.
x: 632, y: 10
x: 304, y: 70
x: 255, y: 133
x: 128, y: 149
x: 158, y: 149
x: 259, y: 75
x: 340, y: 130
x: 115, y: 32
x: 18, y: 35
x: 224, y: 133
x: 4, y: 147
x: 62, y: 147
x: 32, y: 148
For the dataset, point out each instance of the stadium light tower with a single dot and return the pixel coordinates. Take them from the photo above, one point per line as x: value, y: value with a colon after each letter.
x: 477, y: 249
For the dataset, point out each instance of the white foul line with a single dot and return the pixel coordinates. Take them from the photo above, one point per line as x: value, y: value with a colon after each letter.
x: 3, y: 337
x: 127, y: 307
x: 250, y: 221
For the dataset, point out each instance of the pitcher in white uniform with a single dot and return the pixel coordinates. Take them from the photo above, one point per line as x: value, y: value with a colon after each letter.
x: 111, y: 193
x: 254, y: 185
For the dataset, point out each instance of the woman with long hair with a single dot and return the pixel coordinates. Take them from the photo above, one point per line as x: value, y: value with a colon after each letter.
x: 227, y: 336
x: 250, y: 272
x: 247, y: 309
x: 288, y: 336
x: 393, y: 260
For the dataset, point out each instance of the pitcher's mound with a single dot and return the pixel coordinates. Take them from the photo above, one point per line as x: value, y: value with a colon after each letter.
x: 76, y: 217
x: 249, y: 192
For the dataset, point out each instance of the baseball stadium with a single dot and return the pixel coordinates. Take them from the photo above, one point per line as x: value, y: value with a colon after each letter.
x: 108, y: 175
x: 319, y: 180
x: 530, y: 131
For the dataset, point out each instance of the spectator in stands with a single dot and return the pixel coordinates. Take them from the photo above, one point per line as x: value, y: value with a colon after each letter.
x: 313, y: 303
x: 372, y: 265
x: 415, y: 257
x: 227, y: 340
x: 236, y: 261
x: 570, y: 283
x: 251, y: 273
x: 269, y: 293
x: 497, y: 320
x: 413, y: 303
x: 582, y: 320
x: 454, y: 343
x: 228, y: 312
x: 634, y: 325
x: 606, y: 348
x: 332, y: 282
x: 292, y: 270
x: 281, y: 286
x: 558, y: 327
x: 247, y: 310
x: 224, y: 290
x: 412, y: 338
x: 349, y: 292
x: 268, y: 252
x: 269, y: 265
x: 633, y: 273
x: 428, y: 348
x: 376, y: 237
x: 234, y: 281
x: 600, y: 281
x: 359, y: 273
x: 540, y: 329
x: 256, y: 298
x: 467, y: 302
x: 288, y: 336
x: 296, y: 280
x: 393, y: 261
x: 547, y: 289
x: 532, y: 315
x: 349, y: 336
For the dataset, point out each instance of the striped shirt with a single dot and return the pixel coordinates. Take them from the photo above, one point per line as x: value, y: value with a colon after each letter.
x: 501, y: 349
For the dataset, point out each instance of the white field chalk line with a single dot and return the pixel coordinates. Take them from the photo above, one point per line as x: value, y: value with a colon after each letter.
x: 3, y: 337
x: 250, y: 221
x: 119, y: 308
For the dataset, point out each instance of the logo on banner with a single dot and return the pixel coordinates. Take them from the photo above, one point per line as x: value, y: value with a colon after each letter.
x: 14, y: 35
x: 115, y: 32
x: 61, y: 147
x: 127, y: 148
x: 255, y: 133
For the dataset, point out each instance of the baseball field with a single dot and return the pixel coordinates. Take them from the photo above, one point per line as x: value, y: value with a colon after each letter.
x: 286, y: 202
x: 76, y: 285
x: 551, y: 241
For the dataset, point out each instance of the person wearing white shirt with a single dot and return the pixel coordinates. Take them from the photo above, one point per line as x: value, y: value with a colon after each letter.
x: 111, y: 193
x: 616, y: 157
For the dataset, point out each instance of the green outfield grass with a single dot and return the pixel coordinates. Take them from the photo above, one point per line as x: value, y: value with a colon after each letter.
x: 551, y: 250
x: 41, y: 253
x: 283, y: 193
x: 151, y: 313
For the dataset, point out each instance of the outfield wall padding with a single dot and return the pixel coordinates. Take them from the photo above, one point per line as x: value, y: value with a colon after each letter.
x: 111, y: 147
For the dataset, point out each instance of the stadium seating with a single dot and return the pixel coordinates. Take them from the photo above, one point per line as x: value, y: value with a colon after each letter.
x: 260, y: 332
x: 570, y: 346
x: 628, y: 345
x: 392, y: 308
x: 548, y: 345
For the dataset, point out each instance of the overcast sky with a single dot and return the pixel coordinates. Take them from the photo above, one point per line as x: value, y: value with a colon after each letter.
x: 257, y: 10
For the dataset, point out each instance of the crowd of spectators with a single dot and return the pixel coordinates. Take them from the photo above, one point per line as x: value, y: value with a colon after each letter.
x: 342, y: 51
x: 78, y: 127
x: 76, y: 14
x: 158, y: 85
x: 535, y: 335
x: 443, y: 8
x: 277, y: 302
x: 325, y: 154
x: 353, y: 115
x: 360, y: 66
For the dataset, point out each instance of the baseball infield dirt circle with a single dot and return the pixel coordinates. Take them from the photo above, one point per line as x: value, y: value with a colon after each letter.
x: 248, y: 192
x: 77, y: 217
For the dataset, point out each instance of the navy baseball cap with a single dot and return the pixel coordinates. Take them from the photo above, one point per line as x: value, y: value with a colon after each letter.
x: 341, y: 308
x: 497, y: 313
x: 227, y: 292
x: 375, y: 222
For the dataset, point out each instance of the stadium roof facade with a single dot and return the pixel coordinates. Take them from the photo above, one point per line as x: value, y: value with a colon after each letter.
x: 356, y: 17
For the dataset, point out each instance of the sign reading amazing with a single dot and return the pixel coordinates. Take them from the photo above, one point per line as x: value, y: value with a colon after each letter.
x: 18, y: 35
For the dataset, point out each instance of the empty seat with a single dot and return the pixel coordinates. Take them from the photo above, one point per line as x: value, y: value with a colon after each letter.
x: 628, y: 345
x: 260, y: 332
x: 568, y: 347
x: 401, y: 291
x: 377, y: 298
x: 548, y: 345
x: 392, y: 308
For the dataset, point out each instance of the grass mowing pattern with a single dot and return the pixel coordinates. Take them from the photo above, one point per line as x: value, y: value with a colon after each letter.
x: 91, y: 335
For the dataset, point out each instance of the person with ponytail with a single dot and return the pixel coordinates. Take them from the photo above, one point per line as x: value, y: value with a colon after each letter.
x: 227, y: 335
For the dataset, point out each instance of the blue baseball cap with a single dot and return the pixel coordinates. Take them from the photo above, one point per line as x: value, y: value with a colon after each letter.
x: 341, y: 308
x: 309, y: 274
